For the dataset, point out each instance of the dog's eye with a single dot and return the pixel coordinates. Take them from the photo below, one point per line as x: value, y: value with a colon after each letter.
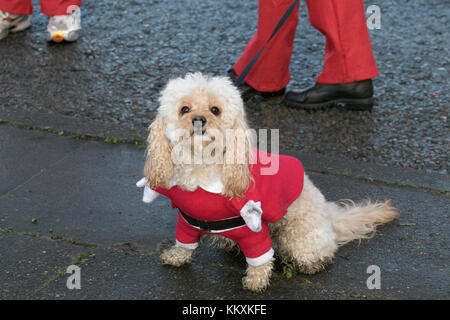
x: 215, y: 110
x: 185, y: 109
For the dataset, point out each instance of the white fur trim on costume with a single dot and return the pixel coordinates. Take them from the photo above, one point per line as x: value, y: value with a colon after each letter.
x: 190, y: 246
x: 251, y: 213
x: 215, y: 186
x: 262, y: 259
x: 141, y: 183
x: 149, y: 194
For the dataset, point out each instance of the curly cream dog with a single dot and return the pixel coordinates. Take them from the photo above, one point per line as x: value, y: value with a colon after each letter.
x: 196, y: 112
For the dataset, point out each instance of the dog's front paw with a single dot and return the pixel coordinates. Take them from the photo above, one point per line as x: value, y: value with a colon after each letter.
x: 258, y: 278
x: 176, y: 256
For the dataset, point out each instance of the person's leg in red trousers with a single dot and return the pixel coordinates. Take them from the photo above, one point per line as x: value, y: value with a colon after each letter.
x: 271, y: 71
x: 348, y: 52
x: 66, y: 26
x: 58, y: 7
x: 48, y: 7
x: 14, y: 16
x: 22, y: 7
x: 349, y: 64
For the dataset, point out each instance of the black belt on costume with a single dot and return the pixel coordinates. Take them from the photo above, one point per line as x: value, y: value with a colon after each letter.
x: 217, y: 225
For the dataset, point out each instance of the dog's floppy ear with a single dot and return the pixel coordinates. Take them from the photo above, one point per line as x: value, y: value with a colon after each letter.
x: 236, y: 174
x: 158, y: 167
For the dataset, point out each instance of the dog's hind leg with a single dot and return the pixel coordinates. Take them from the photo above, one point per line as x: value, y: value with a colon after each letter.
x: 221, y: 242
x: 305, y: 233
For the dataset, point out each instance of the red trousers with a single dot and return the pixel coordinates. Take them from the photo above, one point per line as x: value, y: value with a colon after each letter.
x: 48, y: 7
x: 348, y: 51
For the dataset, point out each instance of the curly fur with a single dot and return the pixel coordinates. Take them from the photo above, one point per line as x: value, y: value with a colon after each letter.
x: 176, y: 256
x: 158, y: 167
x: 222, y: 242
x: 257, y: 278
x: 312, y: 229
x: 236, y: 174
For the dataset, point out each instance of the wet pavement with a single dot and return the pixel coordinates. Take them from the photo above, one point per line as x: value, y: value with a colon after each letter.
x: 67, y: 201
x: 67, y: 197
x: 130, y: 49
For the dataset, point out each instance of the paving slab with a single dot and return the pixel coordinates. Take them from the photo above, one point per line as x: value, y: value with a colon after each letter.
x: 214, y: 275
x: 412, y: 252
x: 29, y: 263
x: 90, y: 195
x: 24, y: 154
x: 87, y: 202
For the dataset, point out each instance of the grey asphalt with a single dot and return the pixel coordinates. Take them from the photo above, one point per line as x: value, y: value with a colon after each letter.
x: 67, y: 201
x: 130, y: 49
x: 67, y: 197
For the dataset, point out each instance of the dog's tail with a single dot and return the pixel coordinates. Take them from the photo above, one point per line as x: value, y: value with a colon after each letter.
x: 353, y: 221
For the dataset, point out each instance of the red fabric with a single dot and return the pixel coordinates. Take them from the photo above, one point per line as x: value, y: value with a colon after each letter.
x: 48, y: 7
x: 348, y: 51
x: 276, y: 192
x: 252, y: 244
x: 16, y: 6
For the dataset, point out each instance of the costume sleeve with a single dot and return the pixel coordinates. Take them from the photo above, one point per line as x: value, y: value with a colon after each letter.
x: 167, y: 193
x: 150, y: 194
x: 249, y: 207
x: 257, y: 246
x: 186, y: 236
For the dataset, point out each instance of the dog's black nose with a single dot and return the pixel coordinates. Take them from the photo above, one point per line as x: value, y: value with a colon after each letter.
x: 197, y: 119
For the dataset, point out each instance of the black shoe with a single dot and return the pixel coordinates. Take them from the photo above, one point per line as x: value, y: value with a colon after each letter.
x: 354, y: 96
x: 248, y: 92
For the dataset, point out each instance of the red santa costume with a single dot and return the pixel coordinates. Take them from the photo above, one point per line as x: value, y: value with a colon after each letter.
x: 267, y: 200
x: 348, y: 51
x: 48, y: 7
